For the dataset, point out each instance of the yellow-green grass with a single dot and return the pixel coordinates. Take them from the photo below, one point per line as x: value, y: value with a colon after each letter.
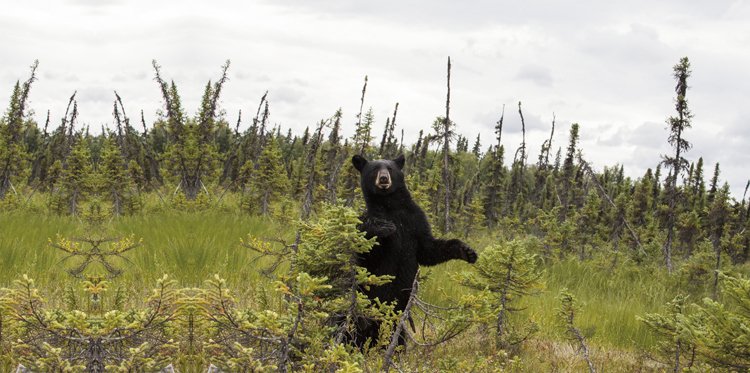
x: 193, y: 246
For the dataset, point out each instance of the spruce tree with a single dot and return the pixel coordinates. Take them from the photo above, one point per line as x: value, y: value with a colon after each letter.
x: 718, y: 219
x: 75, y: 180
x: 13, y: 155
x: 363, y: 133
x: 191, y: 153
x: 568, y: 194
x: 268, y: 182
x: 677, y: 125
x: 333, y: 158
x: 116, y: 184
x: 504, y: 273
x: 493, y: 187
x: 675, y: 346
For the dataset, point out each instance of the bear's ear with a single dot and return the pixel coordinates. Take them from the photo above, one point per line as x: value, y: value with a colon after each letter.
x: 359, y: 162
x: 400, y: 161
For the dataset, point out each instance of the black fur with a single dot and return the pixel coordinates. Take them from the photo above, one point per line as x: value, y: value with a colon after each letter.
x: 405, y: 239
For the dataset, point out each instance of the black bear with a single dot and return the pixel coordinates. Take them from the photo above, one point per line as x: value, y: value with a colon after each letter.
x: 404, y: 237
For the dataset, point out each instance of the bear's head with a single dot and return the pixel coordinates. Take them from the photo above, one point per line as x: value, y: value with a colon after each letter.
x: 380, y: 177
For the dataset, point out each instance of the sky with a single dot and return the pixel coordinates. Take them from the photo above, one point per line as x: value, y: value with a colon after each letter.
x: 605, y: 65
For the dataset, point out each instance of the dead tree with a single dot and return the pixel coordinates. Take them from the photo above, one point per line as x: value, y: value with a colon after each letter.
x: 447, y: 132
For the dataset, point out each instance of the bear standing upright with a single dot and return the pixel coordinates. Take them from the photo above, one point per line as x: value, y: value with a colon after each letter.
x: 404, y: 237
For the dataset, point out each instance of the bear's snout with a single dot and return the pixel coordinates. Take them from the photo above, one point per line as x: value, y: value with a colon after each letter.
x: 383, y: 179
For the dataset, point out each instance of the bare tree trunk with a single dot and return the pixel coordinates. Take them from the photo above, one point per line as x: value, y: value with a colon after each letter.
x: 359, y: 116
x: 405, y: 315
x: 522, y: 148
x: 446, y: 149
x: 584, y: 348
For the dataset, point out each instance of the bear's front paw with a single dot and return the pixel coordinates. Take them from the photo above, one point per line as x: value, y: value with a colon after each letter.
x: 464, y: 251
x: 381, y: 227
x: 468, y: 254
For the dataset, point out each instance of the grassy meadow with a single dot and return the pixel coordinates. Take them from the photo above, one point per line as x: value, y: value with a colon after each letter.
x: 193, y: 246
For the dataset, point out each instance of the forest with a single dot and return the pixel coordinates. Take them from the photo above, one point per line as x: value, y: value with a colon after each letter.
x: 196, y: 243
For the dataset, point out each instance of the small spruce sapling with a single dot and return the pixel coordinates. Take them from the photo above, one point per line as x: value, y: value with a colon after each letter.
x: 504, y: 273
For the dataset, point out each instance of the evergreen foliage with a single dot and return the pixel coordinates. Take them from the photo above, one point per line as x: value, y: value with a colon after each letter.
x: 504, y: 274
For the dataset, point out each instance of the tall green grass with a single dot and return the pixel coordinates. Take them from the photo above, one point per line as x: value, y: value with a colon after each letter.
x: 192, y: 247
x: 189, y: 247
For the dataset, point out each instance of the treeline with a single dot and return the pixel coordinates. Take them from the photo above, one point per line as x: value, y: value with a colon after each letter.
x: 670, y: 213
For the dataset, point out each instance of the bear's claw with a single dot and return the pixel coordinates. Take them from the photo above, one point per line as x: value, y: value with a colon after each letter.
x: 468, y: 254
x: 463, y: 250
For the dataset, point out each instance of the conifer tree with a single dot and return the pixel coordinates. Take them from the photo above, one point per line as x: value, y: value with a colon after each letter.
x: 718, y: 218
x: 268, y: 182
x: 505, y: 272
x: 675, y: 346
x: 115, y: 182
x: 493, y: 199
x: 714, y: 183
x: 476, y: 149
x: 388, y: 143
x: 720, y: 328
x: 75, y: 180
x: 568, y: 193
x: 542, y: 190
x: 677, y: 125
x: 191, y: 154
x: 588, y: 225
x: 333, y: 154
x: 13, y: 155
x: 641, y: 204
x: 362, y: 131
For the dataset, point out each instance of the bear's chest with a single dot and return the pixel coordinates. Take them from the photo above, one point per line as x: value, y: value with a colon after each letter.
x: 399, y: 249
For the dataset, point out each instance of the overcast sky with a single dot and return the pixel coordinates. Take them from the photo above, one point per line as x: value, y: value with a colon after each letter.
x: 606, y: 66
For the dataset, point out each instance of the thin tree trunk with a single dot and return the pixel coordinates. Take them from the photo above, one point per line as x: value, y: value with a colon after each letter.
x: 405, y: 315
x: 584, y: 349
x: 446, y: 149
x: 359, y: 116
x: 503, y: 302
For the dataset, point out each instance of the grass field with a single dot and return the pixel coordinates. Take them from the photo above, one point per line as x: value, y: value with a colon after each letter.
x: 192, y: 247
